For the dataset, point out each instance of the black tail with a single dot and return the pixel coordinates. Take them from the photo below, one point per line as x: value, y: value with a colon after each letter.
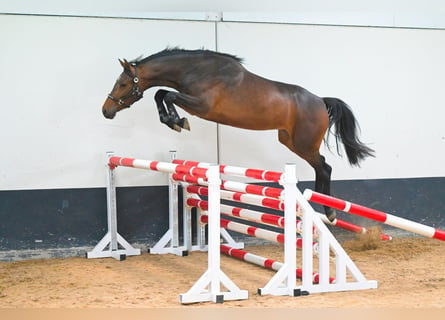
x: 346, y: 129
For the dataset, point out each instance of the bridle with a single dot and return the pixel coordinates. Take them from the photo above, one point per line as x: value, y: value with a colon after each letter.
x: 135, y: 92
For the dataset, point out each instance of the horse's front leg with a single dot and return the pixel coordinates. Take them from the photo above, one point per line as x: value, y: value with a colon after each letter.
x: 170, y: 119
x: 189, y: 103
x: 172, y: 98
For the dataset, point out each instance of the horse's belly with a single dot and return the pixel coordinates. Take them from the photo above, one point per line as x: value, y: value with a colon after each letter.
x: 250, y: 122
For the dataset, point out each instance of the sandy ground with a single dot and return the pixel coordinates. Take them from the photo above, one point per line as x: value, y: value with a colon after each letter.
x: 410, y: 273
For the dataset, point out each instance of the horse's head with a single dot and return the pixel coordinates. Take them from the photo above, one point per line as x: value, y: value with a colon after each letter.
x: 125, y: 92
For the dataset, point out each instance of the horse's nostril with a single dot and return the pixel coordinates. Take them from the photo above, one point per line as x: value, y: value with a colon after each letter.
x: 104, y: 112
x: 107, y: 114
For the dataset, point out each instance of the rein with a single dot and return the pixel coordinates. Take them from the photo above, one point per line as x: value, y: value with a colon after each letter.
x: 135, y: 92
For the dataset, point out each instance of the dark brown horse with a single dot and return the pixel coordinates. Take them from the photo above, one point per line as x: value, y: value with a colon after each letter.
x: 216, y: 87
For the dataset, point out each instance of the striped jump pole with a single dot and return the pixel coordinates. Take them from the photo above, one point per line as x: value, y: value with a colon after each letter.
x: 246, y: 214
x: 235, y: 186
x: 376, y: 215
x: 246, y: 198
x: 263, y: 262
x: 251, y: 215
x: 258, y: 174
x: 257, y: 232
x: 167, y: 167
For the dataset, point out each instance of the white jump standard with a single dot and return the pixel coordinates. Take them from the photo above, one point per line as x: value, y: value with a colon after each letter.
x: 208, y: 286
x: 112, y: 244
x: 280, y: 284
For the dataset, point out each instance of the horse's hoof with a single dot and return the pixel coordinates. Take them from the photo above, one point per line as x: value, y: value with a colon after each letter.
x: 184, y: 124
x: 176, y: 127
x: 331, y: 214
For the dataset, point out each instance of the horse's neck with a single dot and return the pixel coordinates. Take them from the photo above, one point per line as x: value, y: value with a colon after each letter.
x: 159, y: 73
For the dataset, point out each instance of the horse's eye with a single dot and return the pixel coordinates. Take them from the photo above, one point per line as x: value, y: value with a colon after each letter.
x: 123, y: 85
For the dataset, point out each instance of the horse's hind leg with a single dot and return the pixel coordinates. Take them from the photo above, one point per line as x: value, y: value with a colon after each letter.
x: 323, y: 183
x: 322, y: 179
x: 317, y: 161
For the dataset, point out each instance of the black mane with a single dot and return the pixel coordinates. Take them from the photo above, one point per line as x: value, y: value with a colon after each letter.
x: 176, y: 51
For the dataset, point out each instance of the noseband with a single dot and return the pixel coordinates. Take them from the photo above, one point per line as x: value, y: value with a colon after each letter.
x: 135, y: 93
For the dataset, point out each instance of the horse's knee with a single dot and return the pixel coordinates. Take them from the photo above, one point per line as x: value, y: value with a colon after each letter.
x: 164, y: 118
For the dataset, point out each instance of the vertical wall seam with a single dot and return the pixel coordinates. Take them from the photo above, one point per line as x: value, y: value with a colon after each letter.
x: 218, y: 140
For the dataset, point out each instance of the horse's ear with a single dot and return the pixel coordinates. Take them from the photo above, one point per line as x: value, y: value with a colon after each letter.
x: 125, y: 64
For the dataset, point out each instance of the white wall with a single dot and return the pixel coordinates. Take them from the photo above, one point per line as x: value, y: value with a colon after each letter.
x: 55, y: 75
x: 56, y: 72
x: 395, y: 13
x: 392, y: 78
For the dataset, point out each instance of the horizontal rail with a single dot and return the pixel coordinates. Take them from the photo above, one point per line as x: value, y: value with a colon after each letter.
x: 264, y: 262
x: 258, y: 174
x: 246, y: 214
x: 257, y: 232
x: 167, y: 167
x: 373, y: 214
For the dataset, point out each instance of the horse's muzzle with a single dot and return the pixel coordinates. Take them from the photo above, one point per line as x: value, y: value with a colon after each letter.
x: 109, y: 114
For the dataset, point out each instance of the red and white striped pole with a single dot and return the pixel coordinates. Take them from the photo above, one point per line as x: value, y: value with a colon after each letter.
x: 263, y: 262
x: 246, y: 198
x: 168, y: 167
x: 235, y: 186
x: 246, y: 214
x: 258, y: 174
x: 373, y: 214
x: 257, y: 232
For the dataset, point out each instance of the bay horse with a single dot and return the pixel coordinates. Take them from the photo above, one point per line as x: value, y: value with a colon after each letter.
x: 215, y: 86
